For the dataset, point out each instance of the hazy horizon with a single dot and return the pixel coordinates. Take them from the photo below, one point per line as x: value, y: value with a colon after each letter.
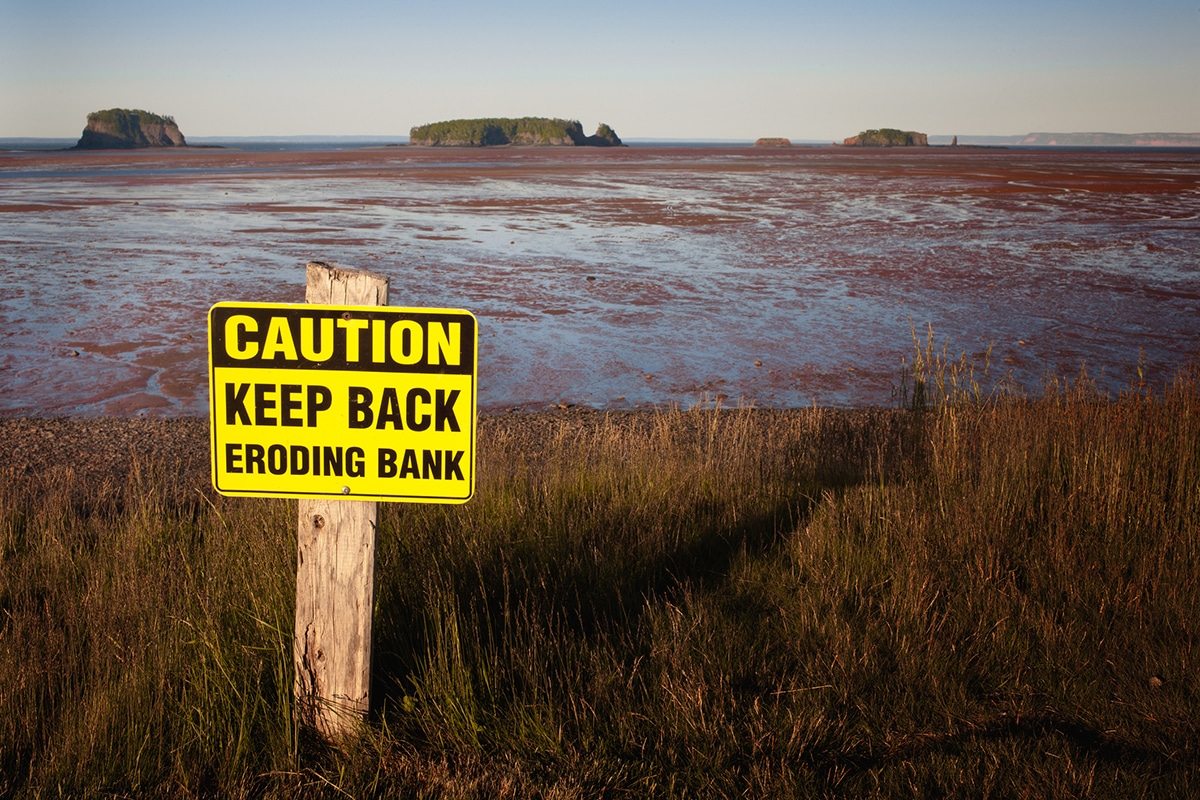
x: 700, y: 70
x: 318, y: 140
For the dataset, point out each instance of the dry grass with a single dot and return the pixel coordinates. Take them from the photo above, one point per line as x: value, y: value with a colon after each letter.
x: 985, y: 595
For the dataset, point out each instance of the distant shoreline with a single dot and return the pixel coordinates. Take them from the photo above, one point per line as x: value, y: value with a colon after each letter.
x: 336, y: 143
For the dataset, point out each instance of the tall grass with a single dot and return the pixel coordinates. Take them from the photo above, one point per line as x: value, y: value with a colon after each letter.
x: 989, y: 595
x: 143, y: 645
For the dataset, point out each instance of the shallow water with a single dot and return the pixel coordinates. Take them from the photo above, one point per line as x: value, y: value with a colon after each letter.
x: 609, y: 278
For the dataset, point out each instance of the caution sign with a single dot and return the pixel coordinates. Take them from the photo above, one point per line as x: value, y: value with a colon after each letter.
x: 362, y: 403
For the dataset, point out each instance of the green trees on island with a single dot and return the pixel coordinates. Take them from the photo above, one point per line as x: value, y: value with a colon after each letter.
x: 124, y: 128
x: 888, y: 137
x: 504, y: 130
x: 126, y: 120
x: 480, y: 132
x: 608, y: 134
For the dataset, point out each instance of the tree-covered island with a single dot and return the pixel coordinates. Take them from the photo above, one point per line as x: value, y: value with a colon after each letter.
x: 888, y: 137
x: 507, y: 131
x: 127, y: 129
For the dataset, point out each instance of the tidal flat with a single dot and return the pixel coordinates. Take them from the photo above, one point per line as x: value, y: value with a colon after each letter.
x: 617, y: 279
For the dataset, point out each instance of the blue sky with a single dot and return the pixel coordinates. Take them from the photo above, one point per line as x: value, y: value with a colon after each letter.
x: 700, y: 69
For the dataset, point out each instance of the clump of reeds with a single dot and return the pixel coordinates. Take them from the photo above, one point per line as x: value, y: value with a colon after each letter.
x: 994, y: 594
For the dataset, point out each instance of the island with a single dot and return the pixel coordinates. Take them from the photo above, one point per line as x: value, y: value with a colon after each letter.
x: 887, y: 137
x: 773, y: 141
x: 505, y: 131
x: 129, y: 129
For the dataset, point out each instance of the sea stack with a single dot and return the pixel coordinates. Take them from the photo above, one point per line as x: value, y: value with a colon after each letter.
x: 129, y: 129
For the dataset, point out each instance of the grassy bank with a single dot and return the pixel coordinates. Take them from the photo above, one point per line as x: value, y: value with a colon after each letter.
x: 972, y: 597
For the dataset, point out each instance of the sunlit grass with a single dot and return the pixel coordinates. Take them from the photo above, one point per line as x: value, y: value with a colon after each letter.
x: 983, y: 594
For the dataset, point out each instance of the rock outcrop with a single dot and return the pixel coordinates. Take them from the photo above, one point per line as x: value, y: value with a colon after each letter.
x: 888, y: 137
x: 773, y: 142
x: 603, y: 137
x: 128, y: 129
x: 505, y: 131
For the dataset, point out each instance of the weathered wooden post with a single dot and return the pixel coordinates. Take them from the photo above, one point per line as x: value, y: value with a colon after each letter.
x: 335, y: 564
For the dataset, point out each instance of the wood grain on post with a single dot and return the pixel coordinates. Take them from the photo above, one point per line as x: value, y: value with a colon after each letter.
x: 335, y: 565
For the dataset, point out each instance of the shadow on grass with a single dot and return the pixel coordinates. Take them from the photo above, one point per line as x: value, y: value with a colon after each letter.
x: 1038, y: 731
x: 583, y: 547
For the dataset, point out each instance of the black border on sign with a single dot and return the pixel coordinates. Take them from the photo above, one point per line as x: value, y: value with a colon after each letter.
x: 469, y: 366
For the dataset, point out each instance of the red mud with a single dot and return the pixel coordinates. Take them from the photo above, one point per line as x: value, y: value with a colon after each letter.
x: 610, y: 278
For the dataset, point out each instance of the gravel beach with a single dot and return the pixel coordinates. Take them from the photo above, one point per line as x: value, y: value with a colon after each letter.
x: 98, y: 459
x: 101, y: 455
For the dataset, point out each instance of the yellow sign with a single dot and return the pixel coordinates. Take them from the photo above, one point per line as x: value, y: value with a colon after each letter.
x: 361, y: 403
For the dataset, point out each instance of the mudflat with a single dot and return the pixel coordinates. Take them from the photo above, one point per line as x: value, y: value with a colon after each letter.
x: 613, y: 279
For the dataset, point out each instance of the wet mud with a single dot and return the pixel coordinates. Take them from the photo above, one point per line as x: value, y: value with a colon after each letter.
x: 612, y: 278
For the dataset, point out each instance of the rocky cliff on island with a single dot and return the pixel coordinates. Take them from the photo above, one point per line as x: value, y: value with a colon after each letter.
x: 888, y: 137
x: 129, y: 129
x: 505, y: 131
